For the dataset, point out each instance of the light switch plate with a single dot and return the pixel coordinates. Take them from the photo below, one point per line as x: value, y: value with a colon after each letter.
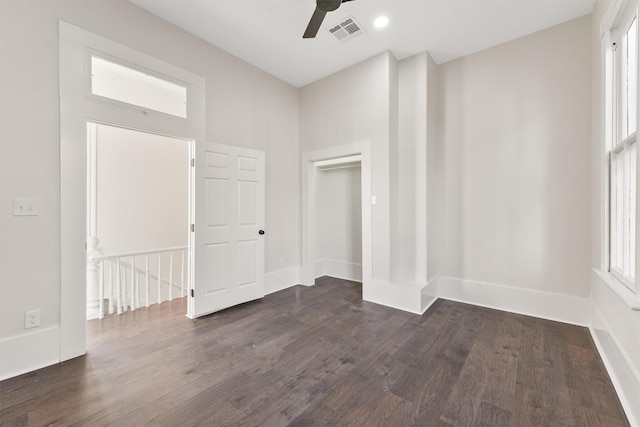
x: 26, y: 207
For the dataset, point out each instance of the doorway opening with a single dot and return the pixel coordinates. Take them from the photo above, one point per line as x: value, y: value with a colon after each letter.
x: 339, y: 224
x: 137, y: 219
x: 338, y: 177
x: 88, y: 64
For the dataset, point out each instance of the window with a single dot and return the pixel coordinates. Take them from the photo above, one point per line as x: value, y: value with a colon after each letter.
x: 622, y: 87
x: 118, y: 82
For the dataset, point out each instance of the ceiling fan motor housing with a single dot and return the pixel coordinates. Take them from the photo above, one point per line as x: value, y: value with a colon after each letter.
x: 328, y: 5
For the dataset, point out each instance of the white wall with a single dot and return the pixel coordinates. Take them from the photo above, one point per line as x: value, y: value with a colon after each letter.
x: 415, y: 172
x: 434, y: 169
x: 515, y: 164
x: 245, y: 107
x: 339, y: 222
x: 407, y: 168
x: 615, y: 327
x: 142, y: 190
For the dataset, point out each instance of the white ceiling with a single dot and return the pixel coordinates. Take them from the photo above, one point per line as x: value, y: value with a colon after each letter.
x: 268, y: 33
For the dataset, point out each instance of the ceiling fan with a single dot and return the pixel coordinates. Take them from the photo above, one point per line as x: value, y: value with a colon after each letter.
x: 322, y: 7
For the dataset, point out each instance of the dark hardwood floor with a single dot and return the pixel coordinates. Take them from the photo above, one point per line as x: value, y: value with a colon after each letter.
x: 320, y: 356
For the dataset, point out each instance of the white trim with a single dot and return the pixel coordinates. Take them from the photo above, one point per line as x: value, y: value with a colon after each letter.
x: 137, y: 253
x: 130, y: 56
x: 629, y: 297
x: 281, y: 279
x: 624, y: 376
x: 339, y: 163
x: 428, y: 295
x: 91, y: 53
x: 412, y: 297
x: 76, y: 109
x: 611, y: 15
x: 318, y: 269
x: 546, y: 305
x: 613, y: 25
x: 29, y: 352
x: 308, y: 200
x: 339, y: 269
x: 401, y: 296
x: 606, y: 129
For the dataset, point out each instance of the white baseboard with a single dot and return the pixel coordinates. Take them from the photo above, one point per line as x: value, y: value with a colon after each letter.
x: 546, y: 305
x: 410, y: 296
x: 28, y: 352
x: 318, y: 268
x: 281, y: 279
x: 401, y: 296
x: 625, y: 379
x: 428, y: 295
x: 339, y: 269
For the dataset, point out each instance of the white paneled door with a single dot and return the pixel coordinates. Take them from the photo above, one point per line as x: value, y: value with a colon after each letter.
x: 229, y: 223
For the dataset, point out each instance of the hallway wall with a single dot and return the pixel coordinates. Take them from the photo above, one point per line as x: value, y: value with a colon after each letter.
x: 132, y: 215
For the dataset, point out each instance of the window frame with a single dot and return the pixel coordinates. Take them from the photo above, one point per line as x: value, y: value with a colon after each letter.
x: 619, y: 148
x: 90, y: 53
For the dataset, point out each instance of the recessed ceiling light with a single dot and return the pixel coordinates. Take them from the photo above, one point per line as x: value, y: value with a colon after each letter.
x: 381, y: 22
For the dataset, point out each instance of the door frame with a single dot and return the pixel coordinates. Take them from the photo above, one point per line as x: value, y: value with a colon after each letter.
x: 92, y: 199
x: 309, y: 208
x: 76, y: 109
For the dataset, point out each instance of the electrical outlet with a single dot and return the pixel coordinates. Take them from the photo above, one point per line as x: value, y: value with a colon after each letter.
x: 281, y: 262
x: 32, y: 319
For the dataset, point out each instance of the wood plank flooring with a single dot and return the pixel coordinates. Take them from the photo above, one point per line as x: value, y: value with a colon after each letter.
x: 320, y: 356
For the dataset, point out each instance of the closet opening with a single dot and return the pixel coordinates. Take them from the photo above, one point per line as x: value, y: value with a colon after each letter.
x: 336, y: 214
x: 338, y: 251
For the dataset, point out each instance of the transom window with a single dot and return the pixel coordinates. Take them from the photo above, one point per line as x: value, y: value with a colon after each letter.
x: 621, y: 145
x: 124, y: 84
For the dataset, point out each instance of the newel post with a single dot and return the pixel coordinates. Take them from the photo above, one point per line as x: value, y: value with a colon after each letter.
x: 93, y: 277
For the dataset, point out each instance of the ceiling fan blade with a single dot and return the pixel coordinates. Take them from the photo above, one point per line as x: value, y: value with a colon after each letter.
x: 314, y: 24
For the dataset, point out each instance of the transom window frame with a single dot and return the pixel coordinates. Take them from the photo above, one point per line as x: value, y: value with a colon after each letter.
x: 619, y: 141
x: 90, y: 53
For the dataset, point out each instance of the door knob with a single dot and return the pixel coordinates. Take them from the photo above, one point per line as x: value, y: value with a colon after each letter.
x: 261, y: 232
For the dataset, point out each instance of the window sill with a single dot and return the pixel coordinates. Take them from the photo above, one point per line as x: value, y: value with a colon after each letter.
x: 619, y: 288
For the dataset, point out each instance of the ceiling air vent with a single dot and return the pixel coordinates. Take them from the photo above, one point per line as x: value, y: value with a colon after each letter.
x: 347, y: 30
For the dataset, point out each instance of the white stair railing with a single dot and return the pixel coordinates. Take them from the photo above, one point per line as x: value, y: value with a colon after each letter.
x: 121, y: 288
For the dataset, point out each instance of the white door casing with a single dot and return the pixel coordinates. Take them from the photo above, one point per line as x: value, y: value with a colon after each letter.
x: 309, y: 201
x: 77, y: 108
x: 229, y: 215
